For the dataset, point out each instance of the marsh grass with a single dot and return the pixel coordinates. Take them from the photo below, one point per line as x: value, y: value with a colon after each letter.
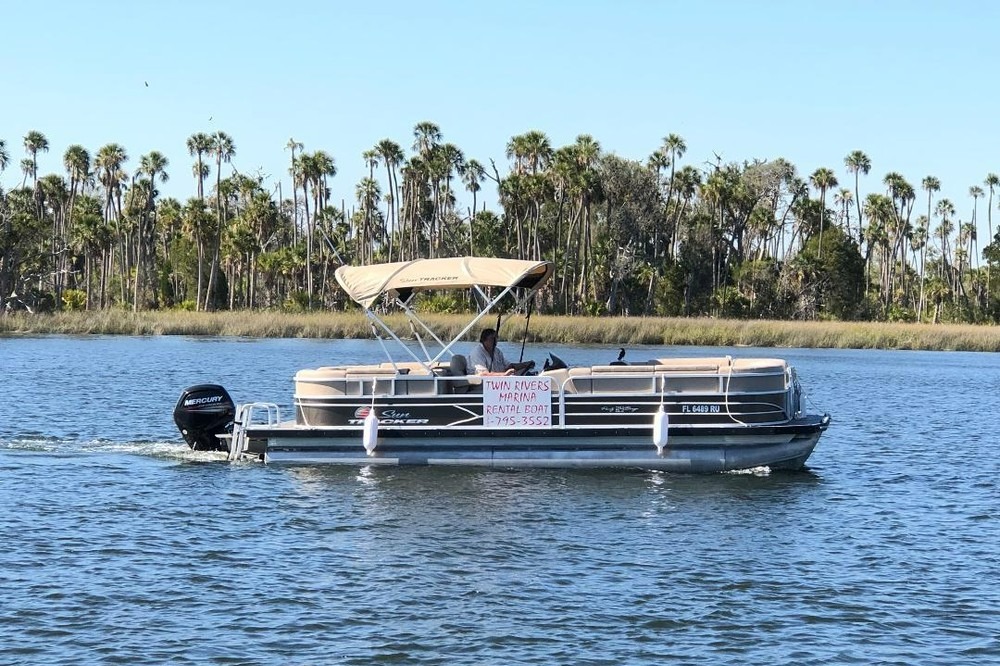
x: 552, y: 329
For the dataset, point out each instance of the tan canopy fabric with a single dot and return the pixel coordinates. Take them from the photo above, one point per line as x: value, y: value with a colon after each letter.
x: 364, y: 284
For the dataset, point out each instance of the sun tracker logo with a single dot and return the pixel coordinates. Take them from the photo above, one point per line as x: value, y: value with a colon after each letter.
x: 388, y: 417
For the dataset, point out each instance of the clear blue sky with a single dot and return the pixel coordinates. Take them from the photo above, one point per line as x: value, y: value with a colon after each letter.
x: 911, y: 83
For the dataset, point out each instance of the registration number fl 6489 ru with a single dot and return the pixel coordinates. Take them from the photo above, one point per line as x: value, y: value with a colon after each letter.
x: 701, y: 409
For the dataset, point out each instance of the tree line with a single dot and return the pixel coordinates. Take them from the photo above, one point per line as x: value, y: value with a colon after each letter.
x: 752, y: 239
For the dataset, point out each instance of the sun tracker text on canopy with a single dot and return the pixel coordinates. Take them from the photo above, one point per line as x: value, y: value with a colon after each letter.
x: 365, y: 284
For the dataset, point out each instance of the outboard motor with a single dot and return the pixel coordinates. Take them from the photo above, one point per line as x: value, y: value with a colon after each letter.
x: 202, y: 412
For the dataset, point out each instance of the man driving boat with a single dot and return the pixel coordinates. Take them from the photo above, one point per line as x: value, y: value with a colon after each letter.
x: 487, y: 359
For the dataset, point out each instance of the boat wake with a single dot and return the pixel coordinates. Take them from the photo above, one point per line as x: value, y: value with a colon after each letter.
x: 155, y: 449
x: 167, y: 450
x: 754, y: 471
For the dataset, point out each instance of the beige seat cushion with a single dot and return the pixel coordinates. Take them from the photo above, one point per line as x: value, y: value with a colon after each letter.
x: 560, y: 379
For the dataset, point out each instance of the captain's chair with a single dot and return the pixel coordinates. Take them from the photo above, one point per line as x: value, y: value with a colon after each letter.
x: 459, y: 367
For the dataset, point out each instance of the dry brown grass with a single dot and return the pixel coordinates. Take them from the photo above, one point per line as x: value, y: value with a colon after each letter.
x: 566, y: 330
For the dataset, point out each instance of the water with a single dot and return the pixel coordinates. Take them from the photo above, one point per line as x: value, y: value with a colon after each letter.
x: 119, y: 546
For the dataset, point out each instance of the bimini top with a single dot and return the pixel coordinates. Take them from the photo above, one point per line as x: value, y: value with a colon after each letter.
x: 401, y: 279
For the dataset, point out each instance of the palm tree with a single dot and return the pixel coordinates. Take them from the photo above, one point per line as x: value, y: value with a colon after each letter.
x: 90, y: 237
x: 371, y: 159
x: 76, y: 159
x: 531, y: 152
x: 153, y: 165
x: 108, y: 163
x: 903, y: 197
x: 313, y: 170
x: 587, y: 151
x: 674, y: 147
x: 111, y: 175
x: 992, y: 181
x: 196, y: 224
x: 937, y: 291
x: 34, y: 143
x: 301, y: 172
x: 918, y: 242
x: 452, y: 161
x: 4, y: 155
x: 539, y: 153
x: 857, y: 163
x: 223, y: 148
x: 879, y: 213
x: 473, y: 175
x: 658, y: 161
x: 844, y: 198
x: 445, y: 160
x: 929, y: 184
x: 199, y: 145
x: 975, y: 192
x: 968, y: 238
x: 392, y: 156
x: 426, y: 135
x: 293, y: 146
x: 324, y: 167
x: 688, y: 180
x: 368, y: 195
x: 51, y: 196
x: 945, y: 210
x: 27, y: 170
x: 822, y: 179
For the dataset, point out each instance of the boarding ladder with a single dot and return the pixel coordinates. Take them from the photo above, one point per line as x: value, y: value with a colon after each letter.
x: 246, y: 415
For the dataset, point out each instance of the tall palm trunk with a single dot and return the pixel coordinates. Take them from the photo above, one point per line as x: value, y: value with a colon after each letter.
x: 989, y: 226
x: 309, y: 243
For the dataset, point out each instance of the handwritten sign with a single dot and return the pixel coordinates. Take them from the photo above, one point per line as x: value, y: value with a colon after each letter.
x: 517, y: 402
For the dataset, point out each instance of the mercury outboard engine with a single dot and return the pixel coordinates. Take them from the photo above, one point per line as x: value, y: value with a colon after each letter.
x: 202, y: 412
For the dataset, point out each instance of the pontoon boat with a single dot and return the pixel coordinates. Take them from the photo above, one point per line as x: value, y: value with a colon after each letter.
x: 423, y: 406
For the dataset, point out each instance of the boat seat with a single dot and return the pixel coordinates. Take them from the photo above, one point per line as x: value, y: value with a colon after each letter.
x: 416, y: 384
x: 580, y: 381
x: 321, y: 374
x: 759, y: 365
x: 758, y: 375
x: 321, y: 382
x: 368, y: 370
x: 689, y: 377
x: 623, y: 369
x: 681, y: 364
x: 672, y: 367
x: 560, y: 380
x: 357, y: 373
x: 622, y: 378
x: 458, y: 368
x: 410, y: 367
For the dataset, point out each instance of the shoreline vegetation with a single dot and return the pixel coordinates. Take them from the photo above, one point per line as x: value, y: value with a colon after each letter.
x: 752, y: 239
x: 618, y: 331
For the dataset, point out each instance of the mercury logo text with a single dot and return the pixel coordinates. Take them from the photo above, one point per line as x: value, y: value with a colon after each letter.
x: 202, y: 401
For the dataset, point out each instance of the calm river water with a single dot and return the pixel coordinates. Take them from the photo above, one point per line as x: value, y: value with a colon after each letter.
x: 118, y: 546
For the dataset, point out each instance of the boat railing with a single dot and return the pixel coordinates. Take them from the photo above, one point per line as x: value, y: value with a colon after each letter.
x: 251, y: 414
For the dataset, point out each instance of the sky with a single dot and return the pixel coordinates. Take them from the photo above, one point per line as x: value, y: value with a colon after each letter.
x: 911, y: 83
